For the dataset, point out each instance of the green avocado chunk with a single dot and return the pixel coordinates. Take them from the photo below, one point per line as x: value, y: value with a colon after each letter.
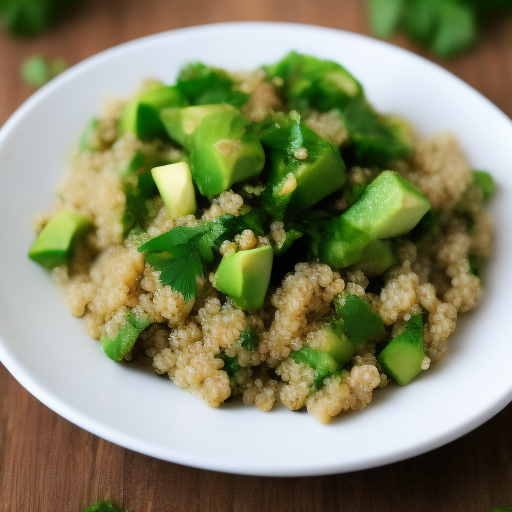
x: 87, y: 141
x: 304, y: 168
x: 336, y: 345
x: 322, y: 362
x: 342, y: 243
x: 403, y: 356
x: 390, y: 206
x: 245, y: 276
x: 180, y: 123
x: 174, y: 182
x: 359, y: 323
x: 54, y: 245
x: 116, y: 348
x: 141, y: 115
x: 376, y: 258
x: 224, y: 152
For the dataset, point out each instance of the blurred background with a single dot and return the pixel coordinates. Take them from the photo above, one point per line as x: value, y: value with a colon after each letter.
x: 48, y: 464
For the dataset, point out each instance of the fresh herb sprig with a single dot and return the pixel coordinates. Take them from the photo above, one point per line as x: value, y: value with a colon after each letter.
x: 447, y: 27
x: 181, y: 253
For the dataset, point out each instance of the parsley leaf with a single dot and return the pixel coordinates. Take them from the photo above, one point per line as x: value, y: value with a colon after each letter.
x: 179, y: 269
x: 104, y: 506
x: 179, y: 254
x: 249, y: 339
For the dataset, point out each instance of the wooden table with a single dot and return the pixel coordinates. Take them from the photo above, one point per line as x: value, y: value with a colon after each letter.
x: 48, y: 464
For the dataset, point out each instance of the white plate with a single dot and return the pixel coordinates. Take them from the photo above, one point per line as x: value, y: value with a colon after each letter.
x: 47, y: 352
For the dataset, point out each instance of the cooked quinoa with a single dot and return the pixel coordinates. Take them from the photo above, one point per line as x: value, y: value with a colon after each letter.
x: 194, y: 339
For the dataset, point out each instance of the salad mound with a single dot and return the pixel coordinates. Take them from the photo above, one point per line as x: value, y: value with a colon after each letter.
x: 268, y: 234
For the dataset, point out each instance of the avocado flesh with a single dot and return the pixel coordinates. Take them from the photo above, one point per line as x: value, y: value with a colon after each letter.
x: 54, y: 245
x: 376, y: 258
x: 224, y: 152
x: 141, y: 115
x: 342, y: 244
x: 180, y: 123
x: 336, y: 345
x: 117, y: 347
x: 390, y: 206
x: 174, y: 182
x: 245, y: 276
x: 403, y: 357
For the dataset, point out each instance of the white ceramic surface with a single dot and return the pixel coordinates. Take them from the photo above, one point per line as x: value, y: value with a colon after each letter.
x: 47, y: 352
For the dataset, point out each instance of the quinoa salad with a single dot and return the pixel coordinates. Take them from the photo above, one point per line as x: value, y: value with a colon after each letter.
x: 268, y: 235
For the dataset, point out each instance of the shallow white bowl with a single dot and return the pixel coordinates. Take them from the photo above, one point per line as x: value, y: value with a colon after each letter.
x: 47, y: 352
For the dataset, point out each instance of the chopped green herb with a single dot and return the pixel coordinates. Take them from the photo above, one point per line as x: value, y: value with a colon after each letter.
x: 447, y: 27
x: 105, y: 506
x: 30, y: 17
x: 249, y: 339
x: 204, y: 85
x: 231, y: 364
x: 37, y: 71
x: 360, y: 323
x: 181, y: 252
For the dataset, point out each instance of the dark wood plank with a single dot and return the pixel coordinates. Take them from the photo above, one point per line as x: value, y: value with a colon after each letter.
x: 47, y: 464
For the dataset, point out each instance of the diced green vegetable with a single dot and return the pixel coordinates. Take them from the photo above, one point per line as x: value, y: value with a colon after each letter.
x: 180, y: 123
x: 312, y: 83
x: 359, y: 323
x: 484, y: 181
x: 116, y: 348
x: 224, y: 152
x: 141, y: 115
x: 403, y: 356
x: 205, y: 85
x: 245, y: 276
x: 55, y: 244
x: 390, y: 206
x: 304, y: 167
x: 336, y: 344
x: 180, y: 253
x: 376, y: 257
x: 174, y: 182
x: 323, y: 364
x: 342, y: 243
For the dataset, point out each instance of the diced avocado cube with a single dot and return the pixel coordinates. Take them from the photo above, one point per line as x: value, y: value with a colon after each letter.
x: 309, y: 82
x: 174, y: 182
x: 342, y: 243
x: 336, y: 345
x: 484, y: 181
x: 54, y: 245
x: 390, y: 206
x: 89, y: 138
x: 141, y: 115
x: 245, y: 276
x: 304, y: 169
x: 180, y: 123
x: 224, y: 152
x: 376, y: 258
x: 403, y: 356
x: 360, y: 323
x: 323, y: 363
x: 116, y: 348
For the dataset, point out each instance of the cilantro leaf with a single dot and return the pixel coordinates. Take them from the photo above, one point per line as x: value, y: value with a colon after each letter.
x: 249, y: 339
x: 181, y: 252
x: 385, y: 16
x: 178, y: 270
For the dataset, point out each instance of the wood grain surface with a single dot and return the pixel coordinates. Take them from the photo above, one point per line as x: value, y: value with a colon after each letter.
x: 48, y: 464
